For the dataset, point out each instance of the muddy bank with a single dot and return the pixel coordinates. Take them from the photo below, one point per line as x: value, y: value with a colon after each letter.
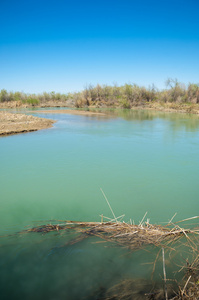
x: 71, y: 112
x: 191, y: 108
x: 17, y: 123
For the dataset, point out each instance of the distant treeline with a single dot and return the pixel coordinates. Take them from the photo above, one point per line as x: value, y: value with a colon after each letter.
x: 124, y: 96
x: 32, y: 99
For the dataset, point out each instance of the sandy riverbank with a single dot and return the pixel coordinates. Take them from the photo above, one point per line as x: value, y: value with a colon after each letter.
x: 71, y: 112
x: 191, y: 108
x: 17, y: 123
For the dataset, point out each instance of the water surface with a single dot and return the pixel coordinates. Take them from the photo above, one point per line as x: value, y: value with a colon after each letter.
x: 143, y: 160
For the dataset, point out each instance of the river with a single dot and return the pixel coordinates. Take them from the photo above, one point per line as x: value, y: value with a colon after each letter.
x: 144, y: 161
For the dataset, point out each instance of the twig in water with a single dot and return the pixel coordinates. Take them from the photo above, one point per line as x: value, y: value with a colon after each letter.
x: 186, y: 285
x: 165, y: 278
x: 102, y: 218
x: 109, y: 205
x: 196, y: 217
x: 172, y: 218
x: 143, y: 218
x: 111, y: 220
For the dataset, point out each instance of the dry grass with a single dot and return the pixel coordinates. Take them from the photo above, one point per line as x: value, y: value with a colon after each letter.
x: 134, y: 237
x: 125, y: 234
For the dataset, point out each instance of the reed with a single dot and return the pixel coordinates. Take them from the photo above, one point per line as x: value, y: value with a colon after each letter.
x: 126, y: 234
x: 134, y: 237
x: 167, y: 238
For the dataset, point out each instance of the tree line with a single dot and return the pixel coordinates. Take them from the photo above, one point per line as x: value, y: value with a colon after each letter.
x: 124, y: 96
x: 32, y: 99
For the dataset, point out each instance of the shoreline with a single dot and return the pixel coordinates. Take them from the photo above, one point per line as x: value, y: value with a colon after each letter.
x: 171, y: 107
x: 71, y: 112
x: 190, y: 108
x: 12, y: 123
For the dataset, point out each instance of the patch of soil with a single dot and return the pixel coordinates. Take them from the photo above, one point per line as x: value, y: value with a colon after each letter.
x: 17, y: 123
x: 71, y: 112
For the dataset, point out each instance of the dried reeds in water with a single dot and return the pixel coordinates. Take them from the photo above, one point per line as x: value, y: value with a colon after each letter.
x: 127, y: 235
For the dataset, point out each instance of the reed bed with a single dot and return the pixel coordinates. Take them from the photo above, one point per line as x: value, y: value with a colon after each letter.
x: 168, y: 238
x: 125, y: 234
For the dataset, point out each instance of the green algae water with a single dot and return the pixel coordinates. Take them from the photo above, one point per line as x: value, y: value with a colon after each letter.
x: 143, y: 161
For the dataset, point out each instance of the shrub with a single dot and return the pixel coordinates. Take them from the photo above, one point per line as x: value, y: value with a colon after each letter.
x: 4, y: 96
x: 33, y: 101
x: 125, y: 103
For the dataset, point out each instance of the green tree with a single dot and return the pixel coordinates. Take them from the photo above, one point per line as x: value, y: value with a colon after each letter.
x: 4, y: 96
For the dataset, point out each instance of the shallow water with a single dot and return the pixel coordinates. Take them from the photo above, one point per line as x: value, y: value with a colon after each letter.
x: 143, y: 161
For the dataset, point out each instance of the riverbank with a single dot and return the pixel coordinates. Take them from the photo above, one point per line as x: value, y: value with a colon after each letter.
x: 191, y: 108
x: 72, y: 112
x: 18, y: 123
x: 20, y: 104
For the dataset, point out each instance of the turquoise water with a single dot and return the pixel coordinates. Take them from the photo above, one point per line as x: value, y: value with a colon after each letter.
x: 143, y: 161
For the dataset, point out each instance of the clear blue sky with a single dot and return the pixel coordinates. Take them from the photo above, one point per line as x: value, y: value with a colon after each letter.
x: 61, y: 46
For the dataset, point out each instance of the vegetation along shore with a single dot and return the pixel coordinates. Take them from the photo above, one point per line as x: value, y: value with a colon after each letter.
x: 175, y: 97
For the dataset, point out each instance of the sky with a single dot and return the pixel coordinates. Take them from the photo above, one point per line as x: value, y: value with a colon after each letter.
x: 63, y: 46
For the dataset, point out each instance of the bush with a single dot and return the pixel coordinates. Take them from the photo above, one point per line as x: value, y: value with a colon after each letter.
x: 32, y: 101
x: 125, y: 103
x: 126, y: 96
x: 4, y: 96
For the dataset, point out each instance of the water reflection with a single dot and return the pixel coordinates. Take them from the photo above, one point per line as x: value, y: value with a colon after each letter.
x: 57, y: 174
x: 177, y: 121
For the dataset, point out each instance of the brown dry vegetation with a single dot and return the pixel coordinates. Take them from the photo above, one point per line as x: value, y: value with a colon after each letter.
x: 176, y: 97
x: 167, y: 239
